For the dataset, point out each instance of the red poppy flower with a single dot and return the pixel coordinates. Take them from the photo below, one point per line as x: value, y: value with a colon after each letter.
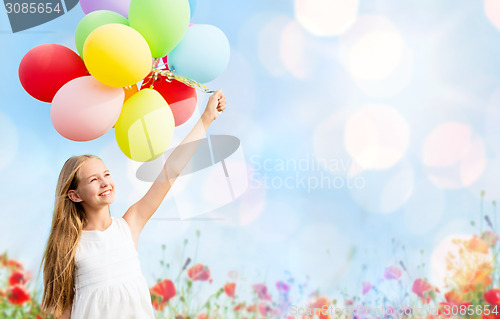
x: 319, y: 303
x: 264, y: 309
x: 161, y: 293
x: 453, y: 297
x: 14, y: 264
x: 199, y: 272
x: 423, y: 289
x: 491, y: 316
x: 229, y: 289
x: 252, y: 308
x: 261, y: 291
x: 18, y: 277
x: 239, y: 306
x: 492, y: 296
x: 393, y: 272
x: 480, y: 279
x: 18, y: 294
x: 478, y: 245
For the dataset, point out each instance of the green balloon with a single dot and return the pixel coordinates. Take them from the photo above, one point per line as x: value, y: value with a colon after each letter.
x: 161, y: 22
x: 92, y: 21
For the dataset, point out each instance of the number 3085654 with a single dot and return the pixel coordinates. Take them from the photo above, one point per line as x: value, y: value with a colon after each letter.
x: 32, y: 7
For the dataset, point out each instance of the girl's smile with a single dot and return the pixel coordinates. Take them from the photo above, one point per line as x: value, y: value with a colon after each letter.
x: 106, y: 193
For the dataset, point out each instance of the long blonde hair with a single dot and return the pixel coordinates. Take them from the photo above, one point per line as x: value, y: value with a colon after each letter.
x: 59, y: 256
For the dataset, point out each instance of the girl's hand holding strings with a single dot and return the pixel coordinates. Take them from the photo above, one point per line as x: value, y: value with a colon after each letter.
x: 216, y: 104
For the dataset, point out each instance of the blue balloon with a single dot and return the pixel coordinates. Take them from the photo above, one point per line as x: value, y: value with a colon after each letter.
x: 192, y: 6
x: 202, y: 55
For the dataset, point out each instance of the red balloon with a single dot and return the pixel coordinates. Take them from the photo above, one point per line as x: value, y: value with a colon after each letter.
x: 165, y: 61
x: 180, y: 97
x: 47, y: 67
x: 492, y: 296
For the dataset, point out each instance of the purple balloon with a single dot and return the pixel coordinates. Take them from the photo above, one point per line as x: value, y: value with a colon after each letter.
x: 118, y: 6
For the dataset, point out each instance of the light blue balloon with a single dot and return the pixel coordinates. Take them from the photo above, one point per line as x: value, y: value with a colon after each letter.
x: 192, y: 6
x: 202, y: 55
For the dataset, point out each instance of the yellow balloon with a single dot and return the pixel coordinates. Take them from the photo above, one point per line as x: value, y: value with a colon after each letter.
x: 145, y: 127
x: 117, y: 55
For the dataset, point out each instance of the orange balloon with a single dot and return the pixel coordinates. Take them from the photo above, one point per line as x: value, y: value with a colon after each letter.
x: 130, y: 90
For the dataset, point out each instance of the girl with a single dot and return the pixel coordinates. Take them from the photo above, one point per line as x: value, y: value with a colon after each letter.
x: 91, y: 265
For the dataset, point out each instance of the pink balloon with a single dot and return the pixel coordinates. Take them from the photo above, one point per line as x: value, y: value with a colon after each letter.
x: 85, y: 109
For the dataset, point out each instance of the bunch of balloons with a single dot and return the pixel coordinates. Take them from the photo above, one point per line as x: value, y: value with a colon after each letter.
x: 117, y: 80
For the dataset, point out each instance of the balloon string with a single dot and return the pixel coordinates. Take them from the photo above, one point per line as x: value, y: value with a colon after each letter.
x: 155, y: 67
x: 170, y: 75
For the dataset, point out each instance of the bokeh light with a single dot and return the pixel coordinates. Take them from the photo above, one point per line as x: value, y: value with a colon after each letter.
x: 454, y: 156
x: 438, y: 269
x: 375, y: 55
x: 377, y: 136
x: 394, y: 83
x: 329, y: 146
x: 372, y: 49
x: 438, y: 265
x: 293, y: 51
x: 492, y: 10
x: 326, y: 17
x: 284, y: 46
x: 446, y: 144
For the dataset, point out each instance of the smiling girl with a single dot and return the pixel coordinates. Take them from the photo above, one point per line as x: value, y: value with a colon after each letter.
x: 91, y: 264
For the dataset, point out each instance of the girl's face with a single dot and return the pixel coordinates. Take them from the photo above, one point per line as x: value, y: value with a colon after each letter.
x: 95, y: 188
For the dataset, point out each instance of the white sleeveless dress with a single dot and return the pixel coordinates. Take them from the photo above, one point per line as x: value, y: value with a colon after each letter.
x: 108, y: 279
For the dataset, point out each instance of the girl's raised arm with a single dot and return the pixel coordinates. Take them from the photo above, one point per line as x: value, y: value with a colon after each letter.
x: 138, y: 214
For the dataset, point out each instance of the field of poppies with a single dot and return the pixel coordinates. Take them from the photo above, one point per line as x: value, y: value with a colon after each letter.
x: 472, y: 290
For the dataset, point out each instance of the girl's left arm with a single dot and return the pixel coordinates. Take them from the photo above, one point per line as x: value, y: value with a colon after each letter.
x: 138, y: 214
